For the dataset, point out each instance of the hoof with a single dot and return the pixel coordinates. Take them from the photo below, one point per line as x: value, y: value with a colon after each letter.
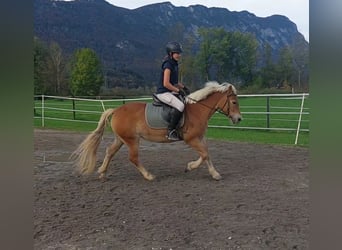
x: 150, y: 177
x: 189, y: 167
x: 217, y: 177
x: 102, y: 177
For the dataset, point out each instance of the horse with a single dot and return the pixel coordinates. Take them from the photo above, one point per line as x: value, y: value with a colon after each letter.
x: 129, y: 125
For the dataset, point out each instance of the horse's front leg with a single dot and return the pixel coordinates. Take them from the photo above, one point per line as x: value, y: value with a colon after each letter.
x: 213, y: 172
x: 194, y: 164
x: 200, y: 146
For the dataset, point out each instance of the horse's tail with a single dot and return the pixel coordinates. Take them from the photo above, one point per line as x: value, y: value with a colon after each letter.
x: 85, y: 155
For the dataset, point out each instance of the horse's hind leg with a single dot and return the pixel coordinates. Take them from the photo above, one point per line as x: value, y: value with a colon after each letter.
x: 133, y: 146
x: 110, y: 152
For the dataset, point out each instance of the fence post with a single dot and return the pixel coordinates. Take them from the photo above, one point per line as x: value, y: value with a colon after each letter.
x: 43, y: 124
x: 103, y: 105
x: 34, y: 106
x: 300, y: 118
x: 73, y: 109
x: 268, y: 112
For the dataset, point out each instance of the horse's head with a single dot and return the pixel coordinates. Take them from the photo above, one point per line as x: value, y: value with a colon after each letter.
x: 229, y: 105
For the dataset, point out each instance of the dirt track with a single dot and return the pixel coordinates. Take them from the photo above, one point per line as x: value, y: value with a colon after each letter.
x: 262, y: 202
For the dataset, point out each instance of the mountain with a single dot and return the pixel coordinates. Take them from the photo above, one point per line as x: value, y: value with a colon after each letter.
x: 132, y: 41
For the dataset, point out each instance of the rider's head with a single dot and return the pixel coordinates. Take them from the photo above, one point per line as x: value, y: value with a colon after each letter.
x: 173, y: 47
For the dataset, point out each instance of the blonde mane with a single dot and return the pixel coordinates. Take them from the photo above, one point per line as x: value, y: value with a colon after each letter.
x: 210, y: 87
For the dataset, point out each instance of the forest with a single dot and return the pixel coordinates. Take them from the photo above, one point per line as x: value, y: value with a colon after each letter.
x: 222, y: 56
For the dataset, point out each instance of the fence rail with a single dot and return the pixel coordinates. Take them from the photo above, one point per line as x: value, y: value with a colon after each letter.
x: 276, y: 112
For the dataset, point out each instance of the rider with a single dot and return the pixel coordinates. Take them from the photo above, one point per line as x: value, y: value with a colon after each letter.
x: 168, y: 86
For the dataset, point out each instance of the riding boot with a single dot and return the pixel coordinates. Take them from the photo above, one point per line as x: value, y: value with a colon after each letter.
x: 172, y: 128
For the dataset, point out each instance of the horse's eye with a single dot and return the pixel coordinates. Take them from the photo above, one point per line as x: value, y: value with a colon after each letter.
x: 234, y: 102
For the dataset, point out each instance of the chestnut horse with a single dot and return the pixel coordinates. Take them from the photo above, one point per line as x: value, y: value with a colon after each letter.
x: 129, y: 125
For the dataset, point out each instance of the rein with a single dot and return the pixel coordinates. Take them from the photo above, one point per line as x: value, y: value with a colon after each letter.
x: 221, y: 110
x: 211, y: 108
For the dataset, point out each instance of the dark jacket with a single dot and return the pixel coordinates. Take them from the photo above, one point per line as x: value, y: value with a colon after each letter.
x: 171, y: 64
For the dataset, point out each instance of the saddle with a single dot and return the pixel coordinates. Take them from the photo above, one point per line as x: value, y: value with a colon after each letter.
x: 157, y: 114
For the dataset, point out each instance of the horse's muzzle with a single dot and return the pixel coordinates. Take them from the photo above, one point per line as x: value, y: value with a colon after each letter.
x: 235, y: 118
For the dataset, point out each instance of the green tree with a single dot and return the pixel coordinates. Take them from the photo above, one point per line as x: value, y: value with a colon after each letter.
x: 227, y: 55
x: 40, y: 54
x: 242, y: 56
x: 301, y: 64
x: 187, y: 71
x: 208, y: 55
x: 285, y: 67
x: 86, y: 73
x: 56, y: 69
x: 49, y: 68
x: 268, y: 71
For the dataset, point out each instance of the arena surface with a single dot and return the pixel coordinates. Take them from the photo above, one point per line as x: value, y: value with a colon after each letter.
x: 262, y: 202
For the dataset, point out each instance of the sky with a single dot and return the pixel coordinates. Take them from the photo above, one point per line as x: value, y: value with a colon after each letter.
x: 296, y: 10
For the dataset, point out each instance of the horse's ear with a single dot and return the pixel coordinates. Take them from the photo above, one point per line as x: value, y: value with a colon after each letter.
x: 230, y: 90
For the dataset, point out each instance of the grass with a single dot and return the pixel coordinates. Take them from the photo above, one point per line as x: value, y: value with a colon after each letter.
x: 264, y: 137
x: 88, y: 113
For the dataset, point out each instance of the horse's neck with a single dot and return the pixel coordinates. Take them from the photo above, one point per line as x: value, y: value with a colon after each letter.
x: 207, y: 107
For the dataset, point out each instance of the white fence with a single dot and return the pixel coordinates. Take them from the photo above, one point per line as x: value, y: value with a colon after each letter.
x: 282, y: 112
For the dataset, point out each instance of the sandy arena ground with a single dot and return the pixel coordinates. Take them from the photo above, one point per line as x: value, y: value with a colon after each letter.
x: 262, y: 202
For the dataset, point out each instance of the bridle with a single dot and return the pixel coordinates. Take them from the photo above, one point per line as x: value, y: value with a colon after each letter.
x: 220, y: 110
x: 228, y: 106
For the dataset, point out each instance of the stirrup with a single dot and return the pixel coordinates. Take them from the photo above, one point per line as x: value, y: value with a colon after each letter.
x: 173, y: 135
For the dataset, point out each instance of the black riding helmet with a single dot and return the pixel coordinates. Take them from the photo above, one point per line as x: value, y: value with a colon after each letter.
x: 173, y: 47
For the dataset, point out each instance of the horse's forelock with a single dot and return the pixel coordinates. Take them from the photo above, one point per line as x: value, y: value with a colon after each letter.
x: 228, y: 85
x: 210, y: 87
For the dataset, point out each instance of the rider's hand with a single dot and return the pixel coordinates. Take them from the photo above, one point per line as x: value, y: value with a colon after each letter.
x: 180, y: 85
x: 187, y: 91
x: 182, y: 92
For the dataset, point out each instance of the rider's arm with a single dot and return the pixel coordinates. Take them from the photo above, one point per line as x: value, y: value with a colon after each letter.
x: 166, y: 81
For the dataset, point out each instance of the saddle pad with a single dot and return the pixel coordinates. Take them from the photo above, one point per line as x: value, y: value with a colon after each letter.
x: 153, y: 116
